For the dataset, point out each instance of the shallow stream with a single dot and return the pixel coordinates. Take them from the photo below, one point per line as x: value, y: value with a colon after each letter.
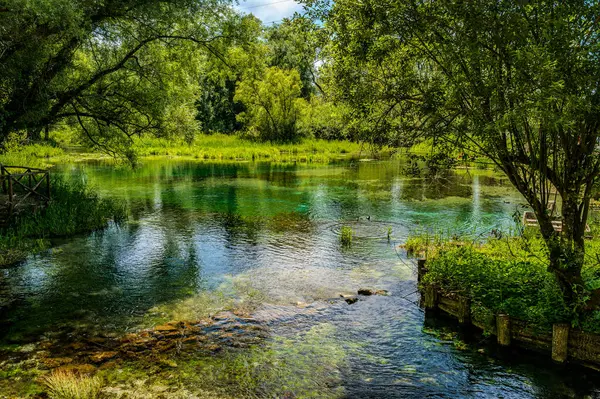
x: 263, y: 239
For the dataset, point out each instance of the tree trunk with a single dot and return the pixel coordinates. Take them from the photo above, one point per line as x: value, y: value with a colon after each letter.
x: 34, y: 134
x: 567, y: 252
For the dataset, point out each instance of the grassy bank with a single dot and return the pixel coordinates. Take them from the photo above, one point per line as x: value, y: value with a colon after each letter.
x: 220, y: 147
x: 507, y: 275
x: 34, y: 155
x: 74, y: 209
x: 213, y: 148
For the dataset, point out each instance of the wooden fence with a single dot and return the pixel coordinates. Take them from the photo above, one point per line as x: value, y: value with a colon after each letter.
x: 22, y: 187
x: 563, y: 343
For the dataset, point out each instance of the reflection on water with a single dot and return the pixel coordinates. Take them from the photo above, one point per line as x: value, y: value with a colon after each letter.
x: 267, y: 237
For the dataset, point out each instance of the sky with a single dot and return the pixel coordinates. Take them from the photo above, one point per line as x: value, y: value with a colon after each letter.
x: 270, y: 10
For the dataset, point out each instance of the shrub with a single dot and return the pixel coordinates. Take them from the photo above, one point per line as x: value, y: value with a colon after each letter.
x: 523, y: 289
x: 74, y: 208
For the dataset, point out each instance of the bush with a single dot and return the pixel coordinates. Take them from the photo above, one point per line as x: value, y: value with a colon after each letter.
x: 74, y: 208
x: 520, y: 288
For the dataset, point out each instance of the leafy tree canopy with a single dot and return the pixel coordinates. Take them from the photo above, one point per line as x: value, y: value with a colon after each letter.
x: 116, y: 68
x: 273, y: 104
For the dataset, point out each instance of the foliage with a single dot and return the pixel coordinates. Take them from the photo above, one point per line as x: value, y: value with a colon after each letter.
x: 519, y: 288
x: 114, y: 69
x: 67, y: 385
x: 272, y: 105
x: 217, y: 109
x: 295, y: 44
x: 323, y: 119
x: 34, y: 155
x: 507, y: 275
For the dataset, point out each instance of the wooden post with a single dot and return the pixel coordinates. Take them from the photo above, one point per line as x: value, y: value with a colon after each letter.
x: 4, y: 189
x: 10, y: 196
x: 560, y: 342
x: 421, y: 269
x: 431, y: 297
x: 503, y: 329
x: 48, y: 184
x: 464, y: 310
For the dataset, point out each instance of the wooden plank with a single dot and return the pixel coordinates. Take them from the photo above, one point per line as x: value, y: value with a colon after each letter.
x: 24, y: 167
x: 32, y: 191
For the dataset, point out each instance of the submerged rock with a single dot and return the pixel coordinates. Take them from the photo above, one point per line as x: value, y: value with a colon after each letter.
x: 80, y: 369
x: 159, y: 345
x: 370, y: 291
x: 53, y: 362
x: 350, y: 300
x: 103, y: 356
x: 165, y: 328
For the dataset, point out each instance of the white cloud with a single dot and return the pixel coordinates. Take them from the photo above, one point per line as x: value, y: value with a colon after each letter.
x: 270, y: 10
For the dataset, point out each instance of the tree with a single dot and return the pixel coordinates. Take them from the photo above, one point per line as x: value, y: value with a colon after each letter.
x: 517, y: 81
x: 272, y: 104
x: 99, y: 63
x: 296, y: 44
x: 217, y: 110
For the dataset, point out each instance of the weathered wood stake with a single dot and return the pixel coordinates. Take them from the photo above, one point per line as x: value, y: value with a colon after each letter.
x: 421, y: 269
x: 464, y: 310
x: 48, y: 186
x: 4, y: 186
x: 503, y: 329
x: 560, y: 342
x: 431, y: 297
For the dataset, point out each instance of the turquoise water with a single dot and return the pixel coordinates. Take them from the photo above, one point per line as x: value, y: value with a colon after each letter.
x: 265, y: 238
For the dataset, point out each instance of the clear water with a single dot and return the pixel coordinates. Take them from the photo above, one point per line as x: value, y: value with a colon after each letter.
x: 268, y: 237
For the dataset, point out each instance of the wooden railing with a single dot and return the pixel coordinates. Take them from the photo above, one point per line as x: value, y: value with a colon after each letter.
x: 19, y: 184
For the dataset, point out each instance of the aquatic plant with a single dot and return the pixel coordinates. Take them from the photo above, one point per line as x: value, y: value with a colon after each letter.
x: 75, y: 208
x: 389, y: 233
x: 68, y: 385
x: 346, y: 236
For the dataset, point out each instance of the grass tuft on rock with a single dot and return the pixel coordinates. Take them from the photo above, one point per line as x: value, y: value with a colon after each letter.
x: 68, y: 385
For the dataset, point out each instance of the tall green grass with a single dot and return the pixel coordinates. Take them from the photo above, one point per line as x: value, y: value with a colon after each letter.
x: 220, y: 147
x: 34, y: 155
x: 75, y: 208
